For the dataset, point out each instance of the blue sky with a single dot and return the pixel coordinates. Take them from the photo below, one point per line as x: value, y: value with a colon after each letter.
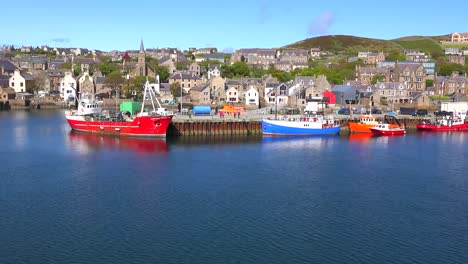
x: 226, y: 25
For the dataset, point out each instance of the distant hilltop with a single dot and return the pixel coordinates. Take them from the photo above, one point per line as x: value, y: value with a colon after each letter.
x: 352, y: 44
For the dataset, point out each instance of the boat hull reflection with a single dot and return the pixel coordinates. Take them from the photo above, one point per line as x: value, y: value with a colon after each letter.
x: 140, y: 145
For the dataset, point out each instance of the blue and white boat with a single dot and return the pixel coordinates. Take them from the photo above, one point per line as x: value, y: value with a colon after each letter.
x: 300, y: 126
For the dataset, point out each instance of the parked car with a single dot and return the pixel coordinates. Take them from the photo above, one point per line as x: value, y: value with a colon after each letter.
x: 343, y: 111
x: 421, y: 112
x: 442, y: 113
x: 376, y: 111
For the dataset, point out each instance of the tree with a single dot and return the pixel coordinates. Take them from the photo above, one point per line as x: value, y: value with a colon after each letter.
x: 115, y: 82
x: 160, y: 70
x: 377, y: 78
x: 65, y: 66
x: 76, y: 70
x: 181, y: 66
x: 395, y: 55
x: 175, y: 89
x: 135, y: 85
x: 240, y: 69
x: 447, y: 69
x: 106, y: 68
x: 429, y: 83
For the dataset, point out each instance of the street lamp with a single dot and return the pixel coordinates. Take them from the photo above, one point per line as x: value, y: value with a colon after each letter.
x: 181, y: 98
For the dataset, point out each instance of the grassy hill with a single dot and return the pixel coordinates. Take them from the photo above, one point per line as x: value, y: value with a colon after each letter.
x: 352, y: 45
x: 343, y: 43
x: 424, y: 44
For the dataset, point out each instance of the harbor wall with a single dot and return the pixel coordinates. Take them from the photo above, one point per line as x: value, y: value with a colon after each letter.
x: 194, y: 127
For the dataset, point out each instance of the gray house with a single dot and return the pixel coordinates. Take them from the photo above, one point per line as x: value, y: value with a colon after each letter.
x: 346, y: 94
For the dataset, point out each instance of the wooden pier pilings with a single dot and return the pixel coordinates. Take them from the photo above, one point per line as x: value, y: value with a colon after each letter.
x: 226, y: 127
x: 209, y: 127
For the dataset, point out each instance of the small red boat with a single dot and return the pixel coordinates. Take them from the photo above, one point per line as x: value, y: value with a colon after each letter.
x: 389, y: 128
x: 457, y: 123
x: 90, y: 118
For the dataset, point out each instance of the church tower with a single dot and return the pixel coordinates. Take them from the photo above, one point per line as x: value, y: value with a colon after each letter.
x: 141, y: 65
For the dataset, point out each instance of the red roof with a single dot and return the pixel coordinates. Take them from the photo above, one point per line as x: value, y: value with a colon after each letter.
x: 126, y: 57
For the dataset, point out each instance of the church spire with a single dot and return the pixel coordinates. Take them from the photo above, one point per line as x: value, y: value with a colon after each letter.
x: 142, y: 48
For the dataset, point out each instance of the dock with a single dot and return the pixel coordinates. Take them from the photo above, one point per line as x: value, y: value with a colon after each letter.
x: 183, y: 125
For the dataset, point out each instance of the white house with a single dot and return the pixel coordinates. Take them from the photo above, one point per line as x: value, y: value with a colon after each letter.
x: 214, y: 71
x: 232, y: 95
x: 252, y: 97
x: 68, y: 87
x: 19, y: 81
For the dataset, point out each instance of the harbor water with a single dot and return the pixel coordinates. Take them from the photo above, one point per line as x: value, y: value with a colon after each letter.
x: 76, y: 198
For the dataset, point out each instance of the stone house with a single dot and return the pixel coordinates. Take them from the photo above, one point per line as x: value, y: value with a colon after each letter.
x: 371, y: 57
x: 294, y: 56
x: 100, y: 83
x: 263, y: 57
x: 171, y: 60
x: 200, y: 94
x: 315, y: 53
x: 217, y: 87
x: 55, y: 76
x: 366, y: 74
x: 414, y: 75
x: 451, y: 84
x: 186, y: 80
x: 85, y: 63
x: 420, y: 99
x: 86, y: 85
x: 195, y: 69
x: 458, y: 59
x: 388, y: 93
x: 7, y: 93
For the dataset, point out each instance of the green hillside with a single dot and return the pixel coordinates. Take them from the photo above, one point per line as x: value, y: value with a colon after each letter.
x: 343, y: 43
x: 352, y: 45
x: 425, y: 44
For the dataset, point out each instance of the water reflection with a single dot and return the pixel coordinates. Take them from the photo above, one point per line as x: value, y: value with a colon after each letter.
x: 291, y: 143
x: 214, y: 140
x: 86, y: 143
x: 360, y: 138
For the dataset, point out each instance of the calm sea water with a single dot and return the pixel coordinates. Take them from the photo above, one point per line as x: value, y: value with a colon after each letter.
x: 75, y: 198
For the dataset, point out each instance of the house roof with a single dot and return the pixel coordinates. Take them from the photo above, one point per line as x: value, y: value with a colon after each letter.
x: 27, y: 76
x: 4, y: 80
x: 198, y: 88
x: 7, y: 65
x: 7, y: 90
x: 101, y: 79
x: 233, y: 82
x: 164, y: 87
x: 126, y: 56
x: 184, y: 76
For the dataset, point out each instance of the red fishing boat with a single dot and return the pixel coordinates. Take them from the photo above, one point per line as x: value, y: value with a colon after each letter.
x: 90, y: 118
x: 390, y: 127
x: 447, y: 123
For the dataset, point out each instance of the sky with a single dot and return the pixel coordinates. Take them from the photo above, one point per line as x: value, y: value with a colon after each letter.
x: 226, y: 25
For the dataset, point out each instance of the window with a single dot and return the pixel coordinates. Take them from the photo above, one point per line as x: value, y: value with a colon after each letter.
x: 12, y: 84
x: 21, y: 84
